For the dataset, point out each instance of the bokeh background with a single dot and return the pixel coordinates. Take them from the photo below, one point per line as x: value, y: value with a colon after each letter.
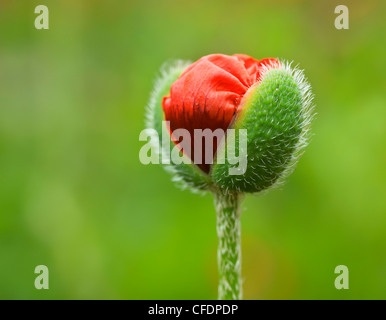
x: 74, y: 196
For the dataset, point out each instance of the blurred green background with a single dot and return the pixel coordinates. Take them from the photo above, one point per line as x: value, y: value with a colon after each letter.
x: 74, y: 196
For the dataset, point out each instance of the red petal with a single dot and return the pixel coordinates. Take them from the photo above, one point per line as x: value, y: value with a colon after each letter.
x: 208, y: 93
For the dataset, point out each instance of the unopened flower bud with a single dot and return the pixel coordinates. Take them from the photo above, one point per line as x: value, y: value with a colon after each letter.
x: 266, y: 100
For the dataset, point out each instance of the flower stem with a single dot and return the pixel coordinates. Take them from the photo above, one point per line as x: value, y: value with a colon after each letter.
x: 229, y: 247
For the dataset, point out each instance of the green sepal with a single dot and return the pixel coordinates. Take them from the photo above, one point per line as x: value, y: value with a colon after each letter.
x: 185, y: 175
x: 276, y: 115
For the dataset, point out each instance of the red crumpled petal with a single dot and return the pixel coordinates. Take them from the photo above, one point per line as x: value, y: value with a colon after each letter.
x: 207, y: 95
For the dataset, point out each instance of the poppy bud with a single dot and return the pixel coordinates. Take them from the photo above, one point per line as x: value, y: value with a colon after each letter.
x: 263, y: 110
x: 268, y: 99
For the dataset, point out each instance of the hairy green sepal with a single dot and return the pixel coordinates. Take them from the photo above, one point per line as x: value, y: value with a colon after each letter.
x: 273, y: 118
x: 185, y: 175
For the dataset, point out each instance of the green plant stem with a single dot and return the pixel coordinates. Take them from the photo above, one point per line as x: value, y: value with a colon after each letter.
x: 229, y: 246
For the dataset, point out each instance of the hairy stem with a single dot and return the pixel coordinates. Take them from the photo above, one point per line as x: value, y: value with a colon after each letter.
x: 229, y: 247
